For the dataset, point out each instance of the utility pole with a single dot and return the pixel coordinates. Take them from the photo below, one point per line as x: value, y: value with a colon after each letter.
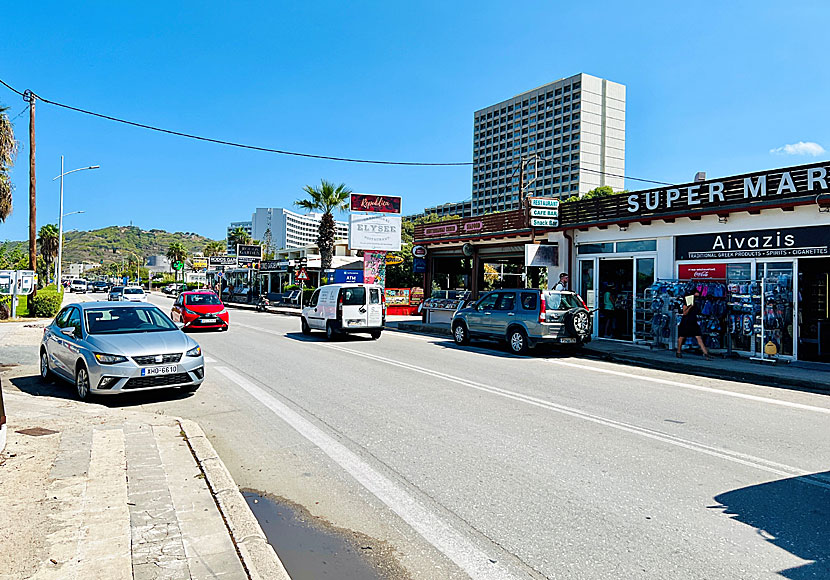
x: 30, y: 98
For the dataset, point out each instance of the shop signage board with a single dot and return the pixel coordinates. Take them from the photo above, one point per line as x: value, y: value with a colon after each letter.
x: 701, y: 271
x: 348, y: 276
x: 416, y: 295
x: 375, y: 232
x: 544, y: 223
x: 223, y: 260
x: 544, y: 212
x: 419, y: 265
x: 376, y: 203
x: 545, y: 202
x: 541, y: 255
x: 393, y: 259
x: 273, y: 265
x: 419, y: 251
x: 199, y: 263
x: 248, y: 251
x: 771, y: 243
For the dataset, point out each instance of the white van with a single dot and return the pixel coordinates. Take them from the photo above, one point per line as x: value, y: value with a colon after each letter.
x: 345, y: 308
x: 78, y: 285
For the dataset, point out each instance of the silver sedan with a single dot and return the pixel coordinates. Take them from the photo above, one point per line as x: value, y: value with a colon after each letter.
x: 106, y: 347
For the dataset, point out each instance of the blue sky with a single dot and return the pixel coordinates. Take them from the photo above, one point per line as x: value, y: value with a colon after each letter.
x: 711, y: 86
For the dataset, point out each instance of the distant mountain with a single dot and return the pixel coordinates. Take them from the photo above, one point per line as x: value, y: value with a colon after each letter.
x: 111, y: 243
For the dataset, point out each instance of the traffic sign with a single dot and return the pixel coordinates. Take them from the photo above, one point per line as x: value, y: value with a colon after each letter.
x: 178, y: 265
x: 544, y: 212
x: 544, y: 202
x: 301, y: 275
x: 544, y: 223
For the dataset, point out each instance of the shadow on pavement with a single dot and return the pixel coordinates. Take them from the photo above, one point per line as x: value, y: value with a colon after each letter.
x: 793, y: 514
x: 499, y: 349
x: 320, y: 336
x: 35, y: 386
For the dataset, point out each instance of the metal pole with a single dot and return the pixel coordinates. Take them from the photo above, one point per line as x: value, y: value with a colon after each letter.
x: 58, y: 271
x: 32, y: 190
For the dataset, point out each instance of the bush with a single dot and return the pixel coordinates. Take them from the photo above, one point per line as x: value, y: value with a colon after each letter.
x: 47, y: 303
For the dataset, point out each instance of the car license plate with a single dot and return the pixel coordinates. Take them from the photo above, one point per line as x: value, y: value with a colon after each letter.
x: 568, y: 340
x: 209, y: 321
x: 162, y: 370
x: 353, y: 322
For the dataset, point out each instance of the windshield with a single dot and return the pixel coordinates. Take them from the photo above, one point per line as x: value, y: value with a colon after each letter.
x: 123, y: 320
x: 561, y: 301
x: 79, y: 281
x: 133, y: 291
x: 353, y: 296
x: 117, y: 289
x: 202, y: 300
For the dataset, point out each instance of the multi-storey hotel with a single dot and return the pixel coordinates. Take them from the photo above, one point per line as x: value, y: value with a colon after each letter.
x: 288, y: 229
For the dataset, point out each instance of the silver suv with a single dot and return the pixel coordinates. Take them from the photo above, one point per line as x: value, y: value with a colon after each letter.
x: 525, y: 318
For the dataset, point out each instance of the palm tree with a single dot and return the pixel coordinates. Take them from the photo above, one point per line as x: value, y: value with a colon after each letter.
x: 48, y: 238
x: 325, y: 199
x: 8, y: 151
x: 239, y: 236
x: 176, y: 252
x: 213, y: 248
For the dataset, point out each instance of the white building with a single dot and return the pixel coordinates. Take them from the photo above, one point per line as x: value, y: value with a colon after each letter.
x: 289, y: 229
x: 575, y: 125
x: 247, y: 226
x: 76, y: 270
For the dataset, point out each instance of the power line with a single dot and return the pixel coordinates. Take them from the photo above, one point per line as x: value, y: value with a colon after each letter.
x: 281, y: 151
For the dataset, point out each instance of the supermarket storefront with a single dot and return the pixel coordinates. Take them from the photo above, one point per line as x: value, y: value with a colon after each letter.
x: 758, y: 245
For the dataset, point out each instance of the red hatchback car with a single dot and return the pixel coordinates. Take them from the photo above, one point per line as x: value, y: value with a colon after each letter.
x: 200, y: 309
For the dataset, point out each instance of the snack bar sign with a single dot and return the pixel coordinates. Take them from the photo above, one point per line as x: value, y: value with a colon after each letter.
x: 774, y: 243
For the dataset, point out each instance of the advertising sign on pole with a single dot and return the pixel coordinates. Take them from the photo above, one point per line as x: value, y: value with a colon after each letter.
x: 375, y: 232
x: 544, y: 212
x: 419, y: 265
x: 222, y: 260
x: 199, y: 263
x: 547, y: 202
x: 544, y: 223
x: 374, y: 268
x: 248, y: 251
x: 376, y: 203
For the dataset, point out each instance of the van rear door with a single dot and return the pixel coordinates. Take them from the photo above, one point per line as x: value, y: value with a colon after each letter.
x: 375, y: 307
x: 355, y: 311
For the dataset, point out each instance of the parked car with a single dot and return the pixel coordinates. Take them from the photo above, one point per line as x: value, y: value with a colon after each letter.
x: 345, y: 308
x: 116, y: 293
x: 100, y: 286
x: 108, y: 348
x: 525, y: 318
x: 200, y: 309
x: 78, y: 285
x: 170, y: 289
x: 133, y: 294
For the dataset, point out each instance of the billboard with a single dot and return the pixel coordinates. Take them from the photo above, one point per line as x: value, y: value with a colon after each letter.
x: 375, y: 232
x: 376, y: 203
x: 374, y: 268
x: 248, y: 251
x: 222, y: 260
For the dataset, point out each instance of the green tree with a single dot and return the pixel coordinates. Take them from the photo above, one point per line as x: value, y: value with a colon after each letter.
x: 48, y: 238
x: 239, y: 236
x: 213, y: 248
x: 325, y: 199
x: 601, y: 191
x: 8, y: 151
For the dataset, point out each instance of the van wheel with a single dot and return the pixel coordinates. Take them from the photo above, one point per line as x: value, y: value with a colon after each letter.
x: 306, y: 327
x: 460, y: 334
x: 331, y: 333
x: 517, y: 341
x: 375, y: 334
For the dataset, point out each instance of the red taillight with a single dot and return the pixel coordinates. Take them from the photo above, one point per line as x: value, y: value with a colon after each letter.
x: 585, y: 306
x: 340, y: 306
x: 542, y: 308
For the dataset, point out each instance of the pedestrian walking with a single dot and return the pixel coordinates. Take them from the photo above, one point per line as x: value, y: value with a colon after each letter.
x: 688, y: 325
x: 563, y: 282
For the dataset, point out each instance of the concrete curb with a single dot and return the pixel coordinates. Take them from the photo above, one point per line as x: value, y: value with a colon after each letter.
x: 258, y: 556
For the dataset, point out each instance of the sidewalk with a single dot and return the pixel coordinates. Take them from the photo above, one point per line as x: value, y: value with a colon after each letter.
x: 797, y: 375
x: 93, y: 492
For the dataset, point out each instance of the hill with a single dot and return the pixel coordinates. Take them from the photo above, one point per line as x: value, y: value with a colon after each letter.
x: 112, y: 243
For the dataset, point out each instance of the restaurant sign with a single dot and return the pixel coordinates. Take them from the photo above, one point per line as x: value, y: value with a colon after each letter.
x: 773, y: 243
x: 544, y: 202
x: 376, y: 203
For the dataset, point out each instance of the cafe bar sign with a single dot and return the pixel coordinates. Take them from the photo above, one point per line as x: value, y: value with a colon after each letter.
x: 773, y: 243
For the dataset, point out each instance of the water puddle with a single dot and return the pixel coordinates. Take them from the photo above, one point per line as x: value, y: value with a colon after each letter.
x: 311, y: 550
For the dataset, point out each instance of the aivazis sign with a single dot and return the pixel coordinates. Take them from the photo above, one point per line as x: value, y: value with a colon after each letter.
x: 780, y: 242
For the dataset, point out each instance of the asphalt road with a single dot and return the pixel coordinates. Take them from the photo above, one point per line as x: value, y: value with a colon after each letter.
x: 473, y: 462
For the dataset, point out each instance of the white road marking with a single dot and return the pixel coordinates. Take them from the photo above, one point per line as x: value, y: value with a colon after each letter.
x: 733, y: 456
x: 209, y: 359
x: 672, y: 383
x: 458, y: 548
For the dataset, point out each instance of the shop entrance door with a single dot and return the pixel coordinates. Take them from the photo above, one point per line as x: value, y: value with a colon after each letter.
x: 814, y: 310
x: 616, y: 298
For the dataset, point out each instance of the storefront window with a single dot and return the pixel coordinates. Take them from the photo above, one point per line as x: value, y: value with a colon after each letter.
x: 604, y: 248
x: 776, y: 284
x: 586, y: 282
x: 741, y: 271
x: 637, y: 246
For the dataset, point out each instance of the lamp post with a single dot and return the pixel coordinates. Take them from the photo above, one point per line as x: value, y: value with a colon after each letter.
x: 60, y: 220
x: 58, y: 261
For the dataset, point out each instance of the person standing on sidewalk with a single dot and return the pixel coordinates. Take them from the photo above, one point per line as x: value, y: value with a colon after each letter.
x: 563, y: 282
x: 689, y: 326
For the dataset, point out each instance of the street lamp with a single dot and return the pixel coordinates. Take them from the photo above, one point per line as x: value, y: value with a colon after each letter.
x: 58, y: 262
x: 60, y: 214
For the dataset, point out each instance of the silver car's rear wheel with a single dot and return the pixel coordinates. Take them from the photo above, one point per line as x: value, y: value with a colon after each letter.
x: 45, y: 373
x: 82, y: 383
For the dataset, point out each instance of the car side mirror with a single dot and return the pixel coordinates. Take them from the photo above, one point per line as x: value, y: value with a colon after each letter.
x: 68, y: 331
